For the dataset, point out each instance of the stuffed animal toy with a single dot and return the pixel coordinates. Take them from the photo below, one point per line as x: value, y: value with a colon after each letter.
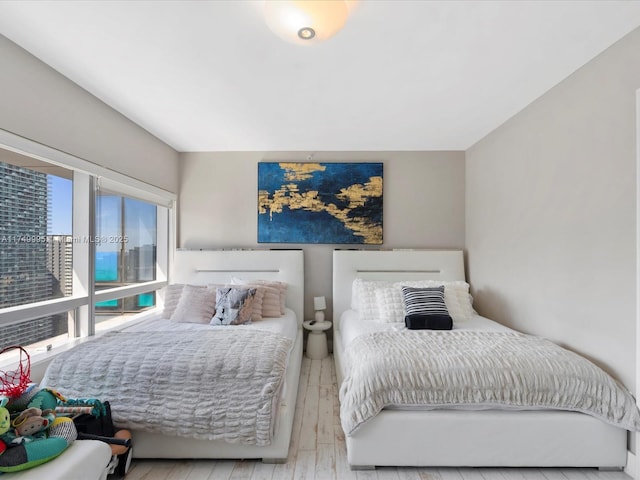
x: 5, y: 422
x: 35, y: 436
x: 32, y: 421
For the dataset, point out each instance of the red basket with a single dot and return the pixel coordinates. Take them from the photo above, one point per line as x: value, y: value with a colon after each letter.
x: 13, y: 383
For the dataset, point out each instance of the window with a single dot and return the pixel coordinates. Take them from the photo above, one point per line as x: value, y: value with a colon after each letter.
x: 126, y: 251
x: 35, y: 244
x: 39, y: 334
x: 126, y: 241
x: 74, y: 258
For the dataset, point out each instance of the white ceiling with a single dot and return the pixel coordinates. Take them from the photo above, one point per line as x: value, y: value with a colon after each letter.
x: 402, y: 75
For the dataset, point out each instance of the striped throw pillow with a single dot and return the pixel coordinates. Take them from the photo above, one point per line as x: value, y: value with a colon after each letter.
x: 424, y: 301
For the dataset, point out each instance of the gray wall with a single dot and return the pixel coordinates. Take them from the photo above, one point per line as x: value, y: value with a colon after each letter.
x: 550, y: 213
x: 38, y: 103
x: 423, y: 195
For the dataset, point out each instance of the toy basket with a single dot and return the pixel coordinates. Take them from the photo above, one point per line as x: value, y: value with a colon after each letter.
x: 14, y: 382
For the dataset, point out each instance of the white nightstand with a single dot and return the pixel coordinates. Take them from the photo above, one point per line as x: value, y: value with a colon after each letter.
x: 317, y: 341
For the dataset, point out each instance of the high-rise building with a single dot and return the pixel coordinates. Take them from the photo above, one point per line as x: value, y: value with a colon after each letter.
x: 24, y: 277
x: 60, y: 261
x: 24, y: 273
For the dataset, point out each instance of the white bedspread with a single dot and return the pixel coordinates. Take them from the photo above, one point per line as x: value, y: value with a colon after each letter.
x: 478, y: 368
x: 218, y: 384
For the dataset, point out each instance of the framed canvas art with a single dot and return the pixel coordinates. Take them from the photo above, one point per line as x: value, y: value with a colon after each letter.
x: 320, y: 203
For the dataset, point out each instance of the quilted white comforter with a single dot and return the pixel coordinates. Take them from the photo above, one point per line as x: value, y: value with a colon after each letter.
x: 214, y: 385
x: 475, y: 369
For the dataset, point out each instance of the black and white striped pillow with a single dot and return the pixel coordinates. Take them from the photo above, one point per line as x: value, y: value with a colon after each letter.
x: 424, y: 301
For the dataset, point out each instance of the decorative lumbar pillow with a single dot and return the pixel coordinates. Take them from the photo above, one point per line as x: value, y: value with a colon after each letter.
x: 172, y: 294
x: 425, y: 308
x: 197, y: 304
x: 233, y: 306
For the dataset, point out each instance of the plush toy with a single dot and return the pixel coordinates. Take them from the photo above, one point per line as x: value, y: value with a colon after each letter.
x: 35, y: 435
x: 32, y: 421
x: 5, y: 422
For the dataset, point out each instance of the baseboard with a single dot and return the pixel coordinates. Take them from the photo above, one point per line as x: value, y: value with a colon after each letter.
x: 630, y: 468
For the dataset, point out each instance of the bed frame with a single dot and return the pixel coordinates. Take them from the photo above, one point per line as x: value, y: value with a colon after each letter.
x: 488, y: 438
x: 200, y: 267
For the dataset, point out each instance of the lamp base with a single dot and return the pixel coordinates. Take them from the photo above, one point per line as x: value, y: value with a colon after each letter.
x: 319, y: 316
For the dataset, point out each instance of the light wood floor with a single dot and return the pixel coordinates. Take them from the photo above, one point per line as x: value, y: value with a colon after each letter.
x: 318, y: 451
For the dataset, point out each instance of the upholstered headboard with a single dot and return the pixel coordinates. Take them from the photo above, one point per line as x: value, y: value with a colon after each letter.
x: 390, y: 265
x: 201, y: 267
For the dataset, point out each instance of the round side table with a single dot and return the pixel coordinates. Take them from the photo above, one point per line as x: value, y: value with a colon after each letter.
x: 317, y: 341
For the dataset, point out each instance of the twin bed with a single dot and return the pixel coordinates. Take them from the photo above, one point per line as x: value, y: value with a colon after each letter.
x: 384, y: 426
x: 480, y: 428
x: 187, y: 389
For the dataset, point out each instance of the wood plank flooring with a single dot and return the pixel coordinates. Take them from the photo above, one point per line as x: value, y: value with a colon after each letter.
x: 317, y: 450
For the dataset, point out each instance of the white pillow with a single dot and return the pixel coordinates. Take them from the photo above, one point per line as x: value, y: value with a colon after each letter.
x: 382, y: 301
x: 172, y: 294
x: 390, y: 304
x: 363, y: 297
x: 197, y: 304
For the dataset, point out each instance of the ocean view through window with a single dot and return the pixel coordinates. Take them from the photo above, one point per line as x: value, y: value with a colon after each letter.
x: 126, y: 231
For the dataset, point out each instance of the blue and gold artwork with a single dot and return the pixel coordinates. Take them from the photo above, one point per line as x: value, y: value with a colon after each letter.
x: 320, y: 203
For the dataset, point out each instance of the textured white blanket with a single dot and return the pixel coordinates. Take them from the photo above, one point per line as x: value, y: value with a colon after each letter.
x: 478, y: 370
x: 215, y: 385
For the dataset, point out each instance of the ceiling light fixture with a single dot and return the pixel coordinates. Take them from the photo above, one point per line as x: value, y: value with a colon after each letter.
x: 306, y: 21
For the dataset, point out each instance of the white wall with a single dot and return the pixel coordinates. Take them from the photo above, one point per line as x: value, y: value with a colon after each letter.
x: 38, y: 103
x: 550, y: 213
x: 423, y: 196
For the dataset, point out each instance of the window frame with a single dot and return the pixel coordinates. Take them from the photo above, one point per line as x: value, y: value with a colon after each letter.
x: 87, y: 176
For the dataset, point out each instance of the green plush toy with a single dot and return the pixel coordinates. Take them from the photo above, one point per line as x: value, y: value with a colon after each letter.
x: 5, y: 422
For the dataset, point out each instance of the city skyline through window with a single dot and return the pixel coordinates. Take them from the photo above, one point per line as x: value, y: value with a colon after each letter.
x: 36, y: 249
x: 34, y: 264
x: 51, y: 211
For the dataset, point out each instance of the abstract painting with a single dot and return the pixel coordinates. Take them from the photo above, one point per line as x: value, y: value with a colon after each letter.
x: 320, y: 203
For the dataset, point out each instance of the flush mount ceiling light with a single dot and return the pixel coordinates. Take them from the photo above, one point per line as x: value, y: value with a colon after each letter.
x: 306, y: 21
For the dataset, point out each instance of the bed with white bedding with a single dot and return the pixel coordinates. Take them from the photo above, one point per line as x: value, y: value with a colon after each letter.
x: 428, y: 398
x: 189, y: 389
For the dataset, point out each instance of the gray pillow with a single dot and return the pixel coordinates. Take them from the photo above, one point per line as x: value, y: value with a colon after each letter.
x: 233, y: 305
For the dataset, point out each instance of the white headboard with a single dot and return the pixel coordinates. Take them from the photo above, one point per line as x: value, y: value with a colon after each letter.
x: 200, y: 267
x: 390, y: 265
